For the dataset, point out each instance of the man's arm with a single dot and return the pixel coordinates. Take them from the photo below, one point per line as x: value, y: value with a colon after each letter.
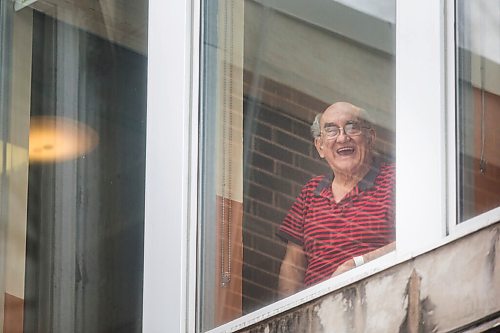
x: 379, y: 252
x: 349, y: 264
x: 292, y: 270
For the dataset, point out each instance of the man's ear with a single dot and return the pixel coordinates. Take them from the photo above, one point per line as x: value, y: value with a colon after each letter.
x: 318, y: 143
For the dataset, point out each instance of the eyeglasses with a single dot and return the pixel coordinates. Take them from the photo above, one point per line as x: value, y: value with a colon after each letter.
x: 350, y: 129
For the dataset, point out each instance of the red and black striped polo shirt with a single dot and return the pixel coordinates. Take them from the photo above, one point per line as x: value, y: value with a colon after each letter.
x: 332, y: 233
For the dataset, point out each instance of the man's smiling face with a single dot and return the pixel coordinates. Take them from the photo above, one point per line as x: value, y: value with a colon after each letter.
x: 346, y: 154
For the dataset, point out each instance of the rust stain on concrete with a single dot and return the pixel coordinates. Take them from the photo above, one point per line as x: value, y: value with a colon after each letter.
x: 419, y: 313
x: 493, y: 251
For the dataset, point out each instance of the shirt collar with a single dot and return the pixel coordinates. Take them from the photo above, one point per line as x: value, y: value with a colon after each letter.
x: 365, y: 183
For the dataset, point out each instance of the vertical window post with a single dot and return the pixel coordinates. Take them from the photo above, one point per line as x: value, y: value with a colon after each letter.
x: 168, y: 202
x: 420, y: 123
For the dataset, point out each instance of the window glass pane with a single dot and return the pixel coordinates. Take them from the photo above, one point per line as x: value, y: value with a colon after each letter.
x: 73, y: 111
x: 478, y: 99
x: 266, y: 195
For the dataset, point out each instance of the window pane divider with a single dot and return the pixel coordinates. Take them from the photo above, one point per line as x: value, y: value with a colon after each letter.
x: 171, y: 167
x: 451, y: 125
x: 420, y: 120
x: 193, y: 187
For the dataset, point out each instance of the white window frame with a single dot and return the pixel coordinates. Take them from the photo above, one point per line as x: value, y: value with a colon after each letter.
x: 451, y: 119
x: 425, y: 189
x: 454, y: 227
x: 171, y: 167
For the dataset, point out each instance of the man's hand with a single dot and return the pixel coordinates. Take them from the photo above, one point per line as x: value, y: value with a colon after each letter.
x: 350, y: 264
x: 347, y: 265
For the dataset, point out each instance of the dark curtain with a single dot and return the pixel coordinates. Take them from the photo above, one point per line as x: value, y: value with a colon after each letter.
x: 84, y: 265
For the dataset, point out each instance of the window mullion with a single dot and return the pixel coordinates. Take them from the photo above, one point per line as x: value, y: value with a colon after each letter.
x: 451, y: 148
x: 420, y: 123
x: 168, y: 203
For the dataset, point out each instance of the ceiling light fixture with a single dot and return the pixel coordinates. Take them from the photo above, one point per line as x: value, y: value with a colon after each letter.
x: 54, y: 139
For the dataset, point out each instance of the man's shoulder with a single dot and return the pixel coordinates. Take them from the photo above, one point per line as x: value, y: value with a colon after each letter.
x: 316, y: 182
x: 387, y: 172
x: 319, y: 179
x: 388, y: 167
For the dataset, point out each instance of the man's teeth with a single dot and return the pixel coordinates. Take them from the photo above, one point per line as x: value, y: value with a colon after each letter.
x: 345, y: 150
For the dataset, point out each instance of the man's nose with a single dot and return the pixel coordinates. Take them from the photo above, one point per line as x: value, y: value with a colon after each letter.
x: 343, y: 137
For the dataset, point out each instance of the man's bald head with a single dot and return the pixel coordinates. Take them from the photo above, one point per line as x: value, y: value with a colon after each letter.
x: 362, y: 115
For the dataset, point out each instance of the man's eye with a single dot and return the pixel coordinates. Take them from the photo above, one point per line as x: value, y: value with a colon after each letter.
x: 352, y: 126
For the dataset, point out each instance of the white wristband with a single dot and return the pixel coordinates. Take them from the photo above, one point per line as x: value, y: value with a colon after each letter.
x: 359, y: 260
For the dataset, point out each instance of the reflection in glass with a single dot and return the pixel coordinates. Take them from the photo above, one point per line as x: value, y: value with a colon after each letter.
x: 268, y: 69
x: 54, y: 139
x: 73, y: 139
x: 478, y: 100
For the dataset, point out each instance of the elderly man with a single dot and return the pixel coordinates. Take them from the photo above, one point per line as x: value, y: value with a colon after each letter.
x: 342, y: 220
